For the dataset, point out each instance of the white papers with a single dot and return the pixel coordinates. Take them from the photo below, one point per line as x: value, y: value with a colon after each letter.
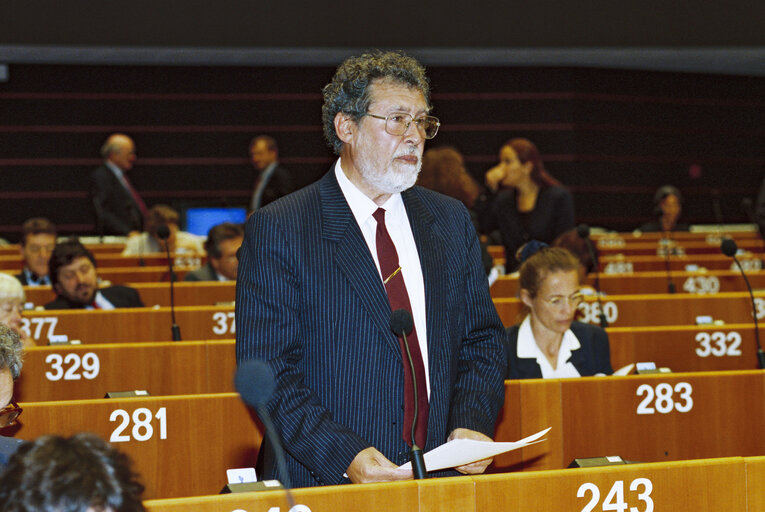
x: 459, y: 452
x: 624, y: 370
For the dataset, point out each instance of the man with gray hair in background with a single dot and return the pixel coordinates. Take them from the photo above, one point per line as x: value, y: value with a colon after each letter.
x: 119, y: 210
x: 10, y: 369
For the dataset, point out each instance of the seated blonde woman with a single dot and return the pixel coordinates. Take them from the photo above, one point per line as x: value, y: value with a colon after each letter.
x: 12, y: 299
x: 548, y: 343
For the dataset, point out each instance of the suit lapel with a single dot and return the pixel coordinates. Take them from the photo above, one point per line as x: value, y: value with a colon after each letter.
x: 430, y: 242
x: 353, y: 258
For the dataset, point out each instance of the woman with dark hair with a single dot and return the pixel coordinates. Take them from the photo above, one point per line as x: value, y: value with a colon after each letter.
x: 530, y: 204
x: 548, y: 343
x: 667, y: 206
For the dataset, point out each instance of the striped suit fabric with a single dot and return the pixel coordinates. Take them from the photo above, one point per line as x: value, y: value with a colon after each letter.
x: 310, y: 302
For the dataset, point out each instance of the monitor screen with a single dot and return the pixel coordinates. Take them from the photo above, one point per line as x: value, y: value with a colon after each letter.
x: 200, y: 220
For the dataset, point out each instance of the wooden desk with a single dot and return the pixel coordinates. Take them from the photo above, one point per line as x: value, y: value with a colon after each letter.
x: 677, y: 247
x: 656, y: 309
x: 109, y: 260
x: 202, y: 293
x: 130, y: 324
x: 628, y: 265
x: 648, y: 418
x: 686, y: 348
x: 181, y: 445
x: 100, y: 248
x: 711, y: 282
x: 708, y: 485
x: 90, y: 371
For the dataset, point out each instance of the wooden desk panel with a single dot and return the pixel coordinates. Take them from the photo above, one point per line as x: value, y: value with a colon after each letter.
x: 623, y: 264
x: 706, y: 283
x: 130, y: 324
x: 709, y: 485
x: 755, y: 479
x: 677, y: 247
x: 655, y: 309
x: 204, y: 436
x: 109, y: 260
x: 598, y: 416
x: 90, y: 371
x: 202, y: 293
x: 686, y: 349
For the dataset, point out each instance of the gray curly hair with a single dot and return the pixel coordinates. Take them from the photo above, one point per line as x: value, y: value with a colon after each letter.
x: 11, y: 351
x: 349, y: 93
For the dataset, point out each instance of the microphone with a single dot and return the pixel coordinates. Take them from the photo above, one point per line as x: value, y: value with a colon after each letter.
x: 401, y: 322
x: 583, y: 230
x: 729, y: 248
x: 163, y: 232
x: 255, y: 382
x: 716, y: 206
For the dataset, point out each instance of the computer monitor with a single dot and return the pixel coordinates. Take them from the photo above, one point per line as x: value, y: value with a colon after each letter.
x: 200, y: 220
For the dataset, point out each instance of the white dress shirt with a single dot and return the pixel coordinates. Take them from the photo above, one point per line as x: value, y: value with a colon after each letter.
x: 528, y: 349
x: 400, y: 231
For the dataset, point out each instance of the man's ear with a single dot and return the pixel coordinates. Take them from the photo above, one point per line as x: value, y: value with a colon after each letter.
x: 525, y: 297
x: 345, y: 126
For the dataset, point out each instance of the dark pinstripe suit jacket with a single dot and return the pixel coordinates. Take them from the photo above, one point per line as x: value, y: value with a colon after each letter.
x: 310, y: 301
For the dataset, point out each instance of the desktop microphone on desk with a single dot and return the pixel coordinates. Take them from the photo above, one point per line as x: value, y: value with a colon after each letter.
x: 401, y: 322
x: 729, y: 248
x: 583, y: 230
x: 163, y: 232
x: 255, y: 382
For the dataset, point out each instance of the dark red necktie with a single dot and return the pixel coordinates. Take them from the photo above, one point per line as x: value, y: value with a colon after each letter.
x: 399, y: 299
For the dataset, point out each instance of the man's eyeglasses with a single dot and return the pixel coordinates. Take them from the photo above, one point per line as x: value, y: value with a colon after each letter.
x: 558, y: 301
x: 9, y: 414
x: 398, y: 123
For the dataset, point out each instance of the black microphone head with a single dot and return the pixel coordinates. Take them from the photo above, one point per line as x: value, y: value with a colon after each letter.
x: 728, y: 247
x: 163, y: 232
x: 401, y: 321
x: 255, y: 382
x: 583, y: 230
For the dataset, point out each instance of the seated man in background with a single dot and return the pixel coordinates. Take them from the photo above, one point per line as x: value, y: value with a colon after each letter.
x: 222, y: 244
x: 82, y: 473
x: 150, y: 242
x: 12, y: 299
x: 38, y: 237
x: 74, y: 278
x: 10, y: 368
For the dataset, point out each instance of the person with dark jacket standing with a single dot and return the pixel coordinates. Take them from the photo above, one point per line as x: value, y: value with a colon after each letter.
x: 119, y: 210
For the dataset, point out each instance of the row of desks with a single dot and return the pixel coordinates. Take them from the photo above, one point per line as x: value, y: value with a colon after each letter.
x: 182, y: 445
x: 710, y: 485
x: 109, y: 260
x: 192, y: 367
x: 217, y: 322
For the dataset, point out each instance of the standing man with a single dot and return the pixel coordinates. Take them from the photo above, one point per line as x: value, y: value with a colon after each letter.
x: 322, y: 270
x: 38, y: 238
x: 75, y: 280
x: 273, y: 180
x: 118, y: 207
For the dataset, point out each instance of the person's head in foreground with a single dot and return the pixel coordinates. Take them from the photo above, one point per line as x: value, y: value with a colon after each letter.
x: 81, y: 473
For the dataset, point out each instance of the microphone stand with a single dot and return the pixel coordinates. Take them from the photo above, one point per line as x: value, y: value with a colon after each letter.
x: 415, y: 453
x: 760, y: 353
x: 667, y: 265
x: 175, y: 329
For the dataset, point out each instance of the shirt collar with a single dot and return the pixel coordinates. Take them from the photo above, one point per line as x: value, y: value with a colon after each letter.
x: 116, y: 170
x: 528, y: 348
x: 363, y: 207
